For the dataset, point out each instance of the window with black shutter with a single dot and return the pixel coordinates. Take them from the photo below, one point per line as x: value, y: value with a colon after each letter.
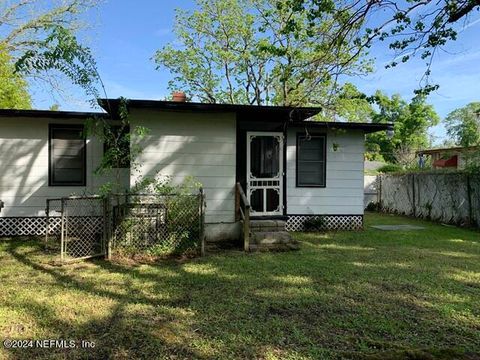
x: 311, y: 160
x: 67, y: 155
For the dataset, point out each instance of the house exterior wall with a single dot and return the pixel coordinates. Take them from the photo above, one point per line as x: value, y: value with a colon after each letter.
x: 343, y: 194
x: 181, y: 144
x: 24, y: 166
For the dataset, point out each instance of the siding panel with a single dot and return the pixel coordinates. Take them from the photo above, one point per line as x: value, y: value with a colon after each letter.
x: 202, y: 145
x: 343, y: 193
x: 24, y: 166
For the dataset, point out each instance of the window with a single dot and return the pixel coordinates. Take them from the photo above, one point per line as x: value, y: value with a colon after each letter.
x: 311, y: 161
x: 67, y: 155
x: 116, y: 148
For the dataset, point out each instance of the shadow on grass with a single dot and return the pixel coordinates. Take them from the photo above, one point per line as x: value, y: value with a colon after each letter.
x: 316, y: 303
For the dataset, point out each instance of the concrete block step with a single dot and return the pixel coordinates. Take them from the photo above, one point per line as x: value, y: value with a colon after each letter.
x: 267, y: 225
x: 275, y: 247
x: 270, y: 237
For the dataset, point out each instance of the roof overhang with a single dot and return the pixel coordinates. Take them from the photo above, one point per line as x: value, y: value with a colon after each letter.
x: 296, y: 116
x: 365, y: 127
x: 295, y: 113
x: 51, y: 114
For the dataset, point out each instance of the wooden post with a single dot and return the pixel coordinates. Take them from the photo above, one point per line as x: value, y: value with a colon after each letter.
x: 237, y: 204
x: 246, y: 228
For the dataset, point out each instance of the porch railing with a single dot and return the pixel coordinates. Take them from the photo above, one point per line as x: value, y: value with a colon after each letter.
x: 243, y: 213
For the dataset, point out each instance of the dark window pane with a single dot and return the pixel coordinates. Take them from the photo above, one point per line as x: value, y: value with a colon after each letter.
x: 67, y: 155
x: 264, y: 156
x: 311, y: 161
x: 273, y: 200
x: 66, y: 175
x: 256, y: 200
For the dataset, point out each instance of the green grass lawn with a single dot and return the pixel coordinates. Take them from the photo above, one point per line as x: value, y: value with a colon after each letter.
x: 371, y: 294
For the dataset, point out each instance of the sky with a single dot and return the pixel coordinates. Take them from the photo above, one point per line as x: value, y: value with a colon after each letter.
x: 125, y: 34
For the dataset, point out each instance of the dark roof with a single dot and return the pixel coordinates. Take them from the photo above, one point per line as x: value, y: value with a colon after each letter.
x: 366, y: 127
x: 297, y: 115
x: 49, y: 114
x: 297, y: 112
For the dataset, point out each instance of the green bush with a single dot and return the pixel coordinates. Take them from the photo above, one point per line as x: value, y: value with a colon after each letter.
x: 390, y: 168
x: 373, y: 206
x: 316, y: 223
x: 180, y: 232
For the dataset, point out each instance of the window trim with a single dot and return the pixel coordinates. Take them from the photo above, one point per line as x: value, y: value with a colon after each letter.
x: 320, y: 135
x: 51, y: 128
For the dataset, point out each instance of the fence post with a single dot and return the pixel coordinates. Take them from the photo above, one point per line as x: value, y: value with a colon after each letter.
x: 379, y: 194
x: 201, y: 223
x: 106, y: 227
x: 414, y: 208
x: 47, y: 210
x: 62, y: 230
x: 469, y: 198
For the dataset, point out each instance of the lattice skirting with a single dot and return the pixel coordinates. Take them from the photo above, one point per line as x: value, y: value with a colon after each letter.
x: 324, y: 222
x: 35, y: 226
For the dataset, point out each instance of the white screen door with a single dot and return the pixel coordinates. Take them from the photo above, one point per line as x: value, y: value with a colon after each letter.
x: 265, y: 173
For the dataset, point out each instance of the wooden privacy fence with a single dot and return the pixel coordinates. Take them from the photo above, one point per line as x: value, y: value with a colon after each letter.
x: 445, y: 197
x: 125, y: 224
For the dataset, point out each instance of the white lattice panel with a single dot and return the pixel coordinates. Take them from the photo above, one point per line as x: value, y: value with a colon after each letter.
x: 328, y: 222
x: 27, y: 226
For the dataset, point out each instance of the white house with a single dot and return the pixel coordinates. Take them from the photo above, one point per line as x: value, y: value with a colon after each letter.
x: 290, y: 168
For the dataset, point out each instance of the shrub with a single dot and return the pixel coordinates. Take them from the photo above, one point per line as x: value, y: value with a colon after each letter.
x: 373, y: 206
x: 179, y: 230
x: 390, y: 168
x: 316, y: 223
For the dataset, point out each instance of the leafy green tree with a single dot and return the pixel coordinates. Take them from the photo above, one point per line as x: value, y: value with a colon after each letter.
x: 349, y: 104
x: 463, y: 125
x: 411, y: 121
x: 250, y: 52
x: 411, y: 28
x: 40, y: 38
x: 13, y: 88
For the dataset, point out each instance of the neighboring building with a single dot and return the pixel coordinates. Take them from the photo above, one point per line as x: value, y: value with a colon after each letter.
x: 453, y: 157
x: 290, y: 168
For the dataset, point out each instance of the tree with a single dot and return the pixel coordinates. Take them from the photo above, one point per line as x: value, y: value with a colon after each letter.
x: 414, y: 27
x: 463, y: 125
x: 40, y: 38
x: 248, y: 52
x: 349, y: 105
x: 411, y: 122
x: 13, y: 88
